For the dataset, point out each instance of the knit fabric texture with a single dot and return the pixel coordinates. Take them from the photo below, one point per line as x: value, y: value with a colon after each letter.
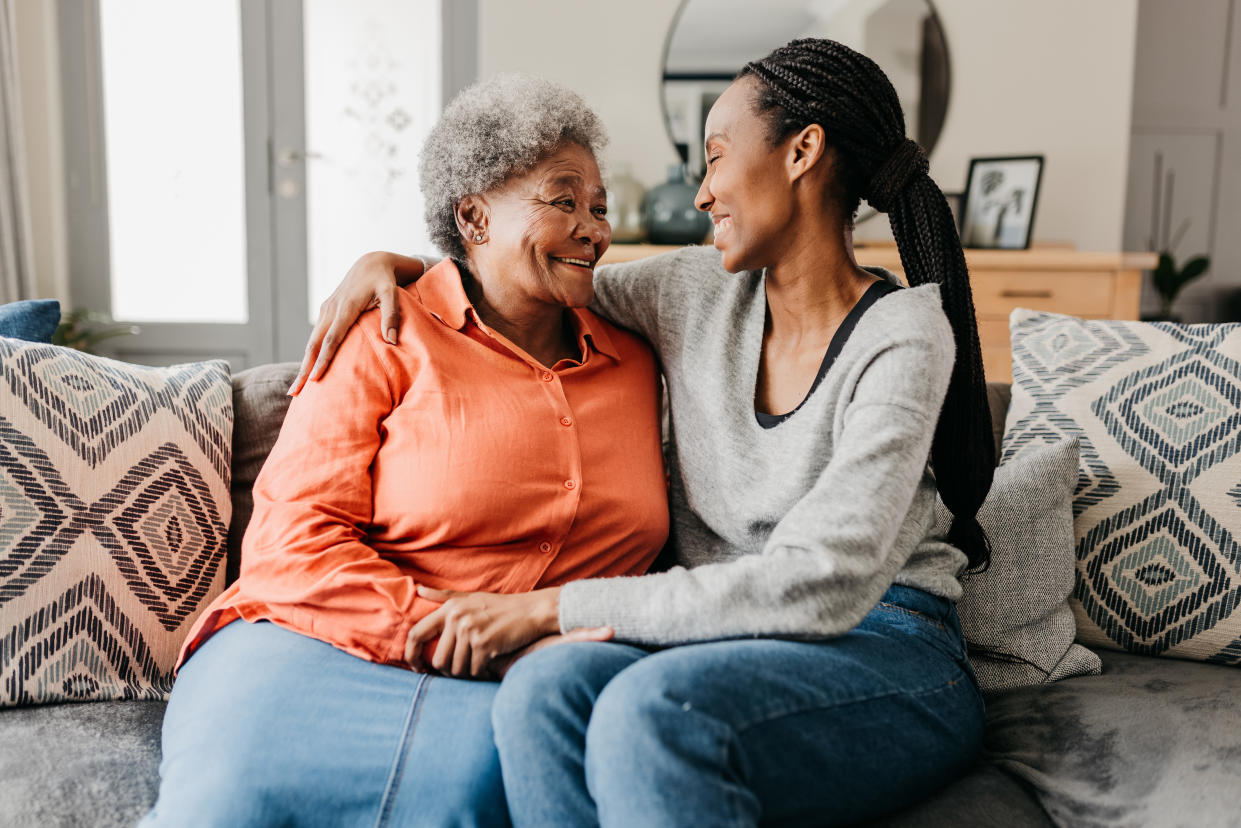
x: 797, y: 530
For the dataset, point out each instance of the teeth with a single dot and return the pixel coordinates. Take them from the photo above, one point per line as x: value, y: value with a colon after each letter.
x: 581, y: 262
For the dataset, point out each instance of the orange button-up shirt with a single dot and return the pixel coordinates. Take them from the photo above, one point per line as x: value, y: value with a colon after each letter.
x: 454, y: 460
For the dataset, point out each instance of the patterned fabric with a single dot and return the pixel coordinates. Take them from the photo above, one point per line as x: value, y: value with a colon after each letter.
x: 1157, y: 408
x: 114, y: 513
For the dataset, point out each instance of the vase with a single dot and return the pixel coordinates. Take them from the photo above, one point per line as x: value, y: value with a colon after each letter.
x: 671, y: 217
x: 625, y: 202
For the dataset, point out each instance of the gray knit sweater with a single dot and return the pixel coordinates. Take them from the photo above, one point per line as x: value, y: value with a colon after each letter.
x: 797, y: 530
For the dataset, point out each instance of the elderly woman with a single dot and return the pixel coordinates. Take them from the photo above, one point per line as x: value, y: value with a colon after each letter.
x: 510, y: 444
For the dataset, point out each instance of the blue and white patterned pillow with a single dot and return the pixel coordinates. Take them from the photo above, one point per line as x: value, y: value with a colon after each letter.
x: 1157, y: 508
x: 114, y: 513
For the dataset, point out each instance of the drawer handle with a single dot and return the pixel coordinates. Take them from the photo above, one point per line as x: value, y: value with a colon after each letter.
x: 1026, y: 294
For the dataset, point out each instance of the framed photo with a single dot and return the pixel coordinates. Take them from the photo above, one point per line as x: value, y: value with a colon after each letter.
x: 1001, y: 196
x: 954, y: 204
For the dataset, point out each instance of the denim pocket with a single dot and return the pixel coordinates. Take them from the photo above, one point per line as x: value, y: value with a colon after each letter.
x: 938, y: 626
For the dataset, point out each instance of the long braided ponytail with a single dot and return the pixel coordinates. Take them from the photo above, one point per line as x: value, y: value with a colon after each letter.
x: 813, y: 81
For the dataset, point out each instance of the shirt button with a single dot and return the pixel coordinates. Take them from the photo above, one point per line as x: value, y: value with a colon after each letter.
x: 565, y: 421
x: 545, y: 547
x: 546, y: 376
x: 569, y: 484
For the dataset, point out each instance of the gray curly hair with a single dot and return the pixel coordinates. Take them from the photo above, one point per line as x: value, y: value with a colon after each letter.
x: 491, y: 131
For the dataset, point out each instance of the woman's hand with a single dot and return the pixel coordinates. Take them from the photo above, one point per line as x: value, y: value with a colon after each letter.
x: 475, y: 628
x: 371, y: 282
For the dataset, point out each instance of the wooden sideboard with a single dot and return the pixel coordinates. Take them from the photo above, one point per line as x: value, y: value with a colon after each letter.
x: 1061, y: 280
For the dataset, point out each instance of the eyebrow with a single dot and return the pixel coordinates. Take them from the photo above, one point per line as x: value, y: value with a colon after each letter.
x: 571, y: 179
x: 712, y: 137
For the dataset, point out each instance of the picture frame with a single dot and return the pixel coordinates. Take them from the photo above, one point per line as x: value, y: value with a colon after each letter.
x: 954, y: 206
x: 1000, y: 201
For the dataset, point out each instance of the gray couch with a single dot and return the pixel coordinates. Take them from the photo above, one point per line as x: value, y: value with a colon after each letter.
x: 1150, y: 742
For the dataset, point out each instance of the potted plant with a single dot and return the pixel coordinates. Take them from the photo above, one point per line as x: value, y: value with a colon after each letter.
x: 83, y: 329
x: 1169, y: 277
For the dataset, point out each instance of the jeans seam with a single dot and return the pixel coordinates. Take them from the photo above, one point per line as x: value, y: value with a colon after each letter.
x: 888, y: 606
x: 802, y: 709
x: 398, y: 762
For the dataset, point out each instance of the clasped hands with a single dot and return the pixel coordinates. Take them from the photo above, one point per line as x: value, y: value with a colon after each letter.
x: 481, y: 634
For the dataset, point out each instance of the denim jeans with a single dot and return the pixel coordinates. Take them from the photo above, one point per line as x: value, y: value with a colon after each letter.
x: 268, y: 727
x: 744, y: 731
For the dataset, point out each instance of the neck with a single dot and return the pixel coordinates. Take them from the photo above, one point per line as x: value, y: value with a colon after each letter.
x: 539, y: 329
x: 816, y: 280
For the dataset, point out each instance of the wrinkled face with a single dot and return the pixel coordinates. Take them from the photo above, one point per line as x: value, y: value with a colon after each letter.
x: 746, y: 189
x: 547, y: 229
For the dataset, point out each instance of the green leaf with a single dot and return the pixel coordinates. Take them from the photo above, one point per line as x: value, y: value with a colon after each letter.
x: 1194, y: 268
x: 1164, y: 277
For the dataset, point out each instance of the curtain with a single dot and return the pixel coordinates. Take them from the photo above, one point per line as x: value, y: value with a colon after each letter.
x: 16, y: 242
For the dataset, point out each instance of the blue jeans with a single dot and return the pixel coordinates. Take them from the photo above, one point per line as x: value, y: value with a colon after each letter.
x: 742, y: 732
x: 268, y: 727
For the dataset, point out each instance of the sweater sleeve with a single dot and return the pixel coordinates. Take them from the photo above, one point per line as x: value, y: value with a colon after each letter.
x: 640, y: 295
x: 305, y: 554
x: 831, y: 557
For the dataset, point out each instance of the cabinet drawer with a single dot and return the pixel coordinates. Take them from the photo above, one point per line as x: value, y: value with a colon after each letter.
x: 996, y: 293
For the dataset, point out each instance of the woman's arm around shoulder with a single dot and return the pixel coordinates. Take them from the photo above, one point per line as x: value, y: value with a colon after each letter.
x: 639, y: 294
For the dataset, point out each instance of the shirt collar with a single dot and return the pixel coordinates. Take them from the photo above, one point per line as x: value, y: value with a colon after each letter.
x: 441, y: 292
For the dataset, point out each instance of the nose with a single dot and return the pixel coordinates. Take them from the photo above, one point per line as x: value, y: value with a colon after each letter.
x: 703, y: 198
x: 593, y: 229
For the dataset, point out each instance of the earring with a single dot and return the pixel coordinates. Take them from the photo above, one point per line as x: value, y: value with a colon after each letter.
x: 478, y: 238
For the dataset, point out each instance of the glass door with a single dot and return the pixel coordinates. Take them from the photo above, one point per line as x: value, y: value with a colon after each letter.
x: 227, y: 161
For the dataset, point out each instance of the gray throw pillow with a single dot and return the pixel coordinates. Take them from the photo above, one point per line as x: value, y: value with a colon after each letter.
x: 1015, y: 614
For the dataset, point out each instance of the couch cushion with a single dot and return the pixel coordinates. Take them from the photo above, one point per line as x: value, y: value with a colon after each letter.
x: 114, y: 508
x: 1157, y: 408
x: 1015, y: 614
x: 1149, y: 742
x: 985, y: 797
x: 34, y: 320
x: 94, y: 764
x: 999, y: 395
x: 260, y: 401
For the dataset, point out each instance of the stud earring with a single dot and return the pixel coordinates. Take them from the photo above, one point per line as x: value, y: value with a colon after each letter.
x: 478, y: 238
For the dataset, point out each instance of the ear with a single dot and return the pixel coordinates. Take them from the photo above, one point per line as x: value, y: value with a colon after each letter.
x: 473, y: 215
x: 806, y: 151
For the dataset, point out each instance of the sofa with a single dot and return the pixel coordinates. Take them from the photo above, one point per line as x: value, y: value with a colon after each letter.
x: 1150, y: 741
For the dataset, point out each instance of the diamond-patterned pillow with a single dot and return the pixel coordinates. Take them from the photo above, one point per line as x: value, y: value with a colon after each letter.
x: 114, y: 512
x: 1157, y: 507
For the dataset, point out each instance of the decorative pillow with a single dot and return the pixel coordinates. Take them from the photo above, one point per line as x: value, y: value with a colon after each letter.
x: 1015, y: 614
x: 1157, y: 509
x: 114, y: 512
x: 260, y: 401
x: 33, y: 320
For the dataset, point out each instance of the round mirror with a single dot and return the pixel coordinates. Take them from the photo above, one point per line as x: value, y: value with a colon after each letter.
x: 711, y: 40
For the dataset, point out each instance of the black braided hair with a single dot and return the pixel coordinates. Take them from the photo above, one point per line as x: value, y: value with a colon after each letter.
x: 813, y: 81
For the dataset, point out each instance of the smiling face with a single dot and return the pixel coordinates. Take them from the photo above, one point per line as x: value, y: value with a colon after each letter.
x: 545, y: 230
x: 747, y: 186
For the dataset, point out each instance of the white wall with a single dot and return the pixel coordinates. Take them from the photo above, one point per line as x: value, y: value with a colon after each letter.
x: 1053, y: 77
x: 39, y: 84
x: 611, y: 53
